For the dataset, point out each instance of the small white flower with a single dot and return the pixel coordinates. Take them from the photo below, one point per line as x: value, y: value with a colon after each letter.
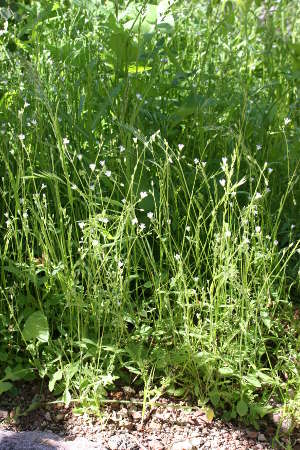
x: 103, y: 219
x: 180, y: 147
x: 92, y: 187
x: 293, y: 226
x: 139, y: 96
x: 25, y: 215
x: 196, y: 161
x: 188, y: 229
x: 258, y: 147
x: 108, y: 173
x: 196, y: 279
x: 123, y: 200
x: 258, y: 195
x: 227, y: 233
x: 66, y: 141
x: 92, y: 167
x: 224, y: 163
x: 287, y: 121
x: 135, y: 140
x: 169, y: 221
x: 134, y: 221
x: 34, y: 122
x: 177, y: 257
x: 142, y: 226
x: 275, y: 242
x: 257, y: 229
x: 246, y: 241
x: 81, y: 225
x: 95, y: 242
x: 21, y: 137
x: 150, y: 215
x: 203, y: 163
x: 102, y: 163
x: 26, y: 104
x: 120, y: 264
x: 170, y: 160
x: 270, y: 170
x: 74, y: 187
x: 268, y: 237
x: 222, y: 182
x: 122, y: 149
x: 79, y: 156
x: 8, y: 222
x: 143, y: 194
x: 43, y: 186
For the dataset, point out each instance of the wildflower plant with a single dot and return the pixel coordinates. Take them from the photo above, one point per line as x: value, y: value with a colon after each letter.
x: 143, y: 236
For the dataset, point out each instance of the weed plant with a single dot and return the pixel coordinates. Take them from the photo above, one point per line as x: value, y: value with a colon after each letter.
x: 149, y: 194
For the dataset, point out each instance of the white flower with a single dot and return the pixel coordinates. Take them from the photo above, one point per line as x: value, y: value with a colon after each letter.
x: 246, y: 241
x: 26, y: 104
x: 43, y: 186
x: 120, y: 264
x: 92, y: 167
x: 139, y: 96
x: 270, y: 170
x: 258, y: 147
x: 275, y: 242
x: 196, y: 279
x: 224, y: 163
x: 222, y: 182
x: 102, y: 163
x: 134, y: 221
x: 122, y: 149
x: 169, y: 221
x: 287, y: 121
x: 108, y: 173
x: 8, y: 222
x: 188, y: 228
x: 66, y: 141
x: 170, y: 160
x: 135, y: 140
x: 196, y: 161
x: 293, y: 226
x: 142, y: 226
x: 177, y: 257
x: 227, y: 233
x: 81, y: 225
x: 150, y: 215
x: 103, y: 219
x: 79, y: 156
x: 203, y: 163
x: 180, y: 146
x: 21, y: 137
x: 257, y: 229
x: 25, y: 215
x: 143, y: 194
x: 123, y: 200
x: 74, y: 187
x: 95, y: 242
x: 258, y: 195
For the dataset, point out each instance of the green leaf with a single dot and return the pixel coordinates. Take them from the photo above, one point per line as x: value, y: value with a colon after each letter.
x: 226, y: 371
x: 66, y: 398
x: 36, y: 327
x: 55, y: 377
x: 242, y: 408
x: 214, y: 398
x: 251, y: 379
x: 5, y: 386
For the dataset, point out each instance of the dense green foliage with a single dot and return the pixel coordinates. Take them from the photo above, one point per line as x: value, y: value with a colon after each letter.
x: 149, y: 195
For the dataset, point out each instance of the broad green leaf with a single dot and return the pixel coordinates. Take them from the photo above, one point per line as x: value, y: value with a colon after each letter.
x: 226, y: 371
x: 55, y: 377
x: 242, y: 408
x: 138, y: 69
x: 5, y: 386
x: 36, y: 327
x: 209, y: 413
x: 253, y: 380
x: 66, y: 398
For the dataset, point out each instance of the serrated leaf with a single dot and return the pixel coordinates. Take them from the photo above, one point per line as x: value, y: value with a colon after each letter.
x: 36, y: 327
x: 242, y: 407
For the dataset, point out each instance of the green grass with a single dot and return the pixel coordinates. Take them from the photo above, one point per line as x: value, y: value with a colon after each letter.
x: 150, y: 201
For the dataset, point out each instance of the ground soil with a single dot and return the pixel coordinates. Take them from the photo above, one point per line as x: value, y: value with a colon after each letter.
x: 171, y: 424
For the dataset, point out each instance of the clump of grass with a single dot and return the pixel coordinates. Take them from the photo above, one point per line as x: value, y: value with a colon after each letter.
x: 145, y: 238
